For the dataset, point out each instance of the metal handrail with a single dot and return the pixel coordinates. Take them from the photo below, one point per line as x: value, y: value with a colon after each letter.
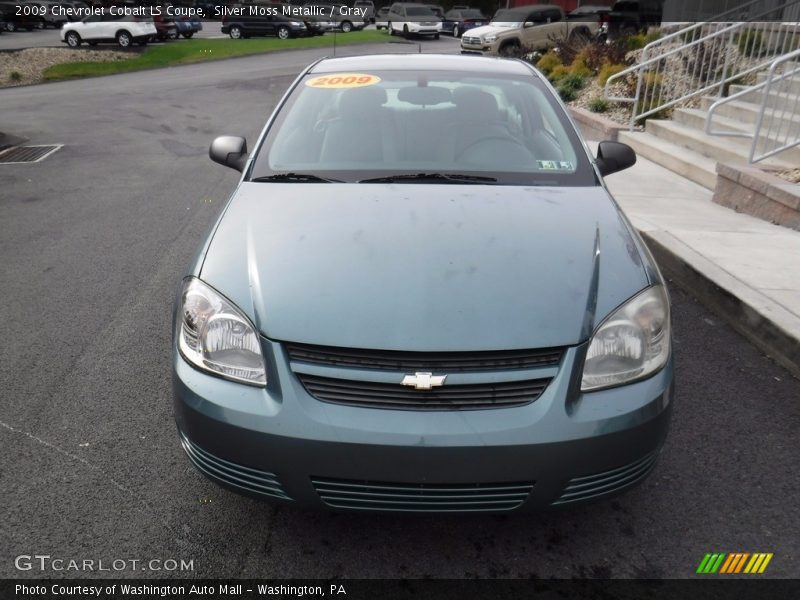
x: 791, y: 137
x: 709, y: 58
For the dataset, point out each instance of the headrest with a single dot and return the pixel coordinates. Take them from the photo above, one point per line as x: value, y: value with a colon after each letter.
x: 475, y: 103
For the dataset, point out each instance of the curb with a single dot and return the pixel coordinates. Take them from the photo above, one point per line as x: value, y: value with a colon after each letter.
x: 764, y: 322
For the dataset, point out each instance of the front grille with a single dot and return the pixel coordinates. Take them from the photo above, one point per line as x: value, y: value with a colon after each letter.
x: 421, y: 497
x: 371, y: 394
x: 600, y: 484
x: 446, y: 362
x: 238, y: 476
x: 472, y: 41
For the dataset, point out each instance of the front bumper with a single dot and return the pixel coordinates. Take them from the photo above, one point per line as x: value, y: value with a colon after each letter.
x: 280, y: 443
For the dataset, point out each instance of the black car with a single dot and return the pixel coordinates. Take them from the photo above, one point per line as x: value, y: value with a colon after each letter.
x: 630, y: 16
x: 246, y: 24
x: 459, y: 20
x: 15, y: 22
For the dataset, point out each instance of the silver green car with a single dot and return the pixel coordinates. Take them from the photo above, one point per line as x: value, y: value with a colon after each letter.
x: 422, y: 297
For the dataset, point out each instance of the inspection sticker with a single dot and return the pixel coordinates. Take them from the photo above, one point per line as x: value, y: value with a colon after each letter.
x: 554, y: 165
x: 343, y: 80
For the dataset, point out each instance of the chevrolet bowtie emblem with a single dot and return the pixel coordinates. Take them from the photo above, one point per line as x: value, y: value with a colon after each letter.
x: 424, y: 381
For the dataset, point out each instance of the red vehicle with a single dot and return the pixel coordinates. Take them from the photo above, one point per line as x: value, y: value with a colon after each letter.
x: 166, y: 28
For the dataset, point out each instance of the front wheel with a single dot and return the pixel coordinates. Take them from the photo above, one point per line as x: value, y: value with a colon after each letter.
x: 391, y: 29
x: 188, y: 35
x: 436, y: 36
x: 235, y: 32
x: 283, y: 32
x: 124, y: 39
x: 11, y: 27
x: 455, y: 31
x: 405, y: 31
x: 40, y: 24
x: 347, y: 27
x: 73, y: 39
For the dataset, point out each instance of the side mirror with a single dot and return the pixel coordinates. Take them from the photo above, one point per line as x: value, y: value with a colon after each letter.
x: 230, y: 151
x: 527, y: 24
x: 614, y: 156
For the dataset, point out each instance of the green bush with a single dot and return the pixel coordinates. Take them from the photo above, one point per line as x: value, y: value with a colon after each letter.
x: 558, y: 72
x: 567, y: 93
x: 572, y: 81
x: 579, y: 69
x: 635, y: 41
x: 15, y: 76
x: 548, y: 62
x: 749, y: 43
x: 599, y: 105
x: 607, y: 70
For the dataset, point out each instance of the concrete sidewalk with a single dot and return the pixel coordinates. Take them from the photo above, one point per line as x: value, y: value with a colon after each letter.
x: 745, y: 269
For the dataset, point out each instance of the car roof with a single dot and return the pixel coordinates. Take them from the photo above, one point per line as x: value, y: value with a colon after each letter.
x: 530, y: 8
x: 423, y: 62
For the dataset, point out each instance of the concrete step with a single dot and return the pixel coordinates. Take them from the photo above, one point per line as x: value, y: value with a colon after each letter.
x: 747, y: 112
x: 779, y: 100
x: 696, y: 119
x: 686, y: 163
x: 722, y: 149
x: 790, y: 84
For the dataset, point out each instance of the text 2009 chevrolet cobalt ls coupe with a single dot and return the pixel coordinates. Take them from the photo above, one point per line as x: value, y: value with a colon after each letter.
x: 421, y: 297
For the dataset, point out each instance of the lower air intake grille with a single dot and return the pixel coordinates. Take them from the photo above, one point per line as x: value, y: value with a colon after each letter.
x: 370, y: 394
x: 600, y: 484
x: 446, y: 362
x: 232, y: 474
x: 423, y: 497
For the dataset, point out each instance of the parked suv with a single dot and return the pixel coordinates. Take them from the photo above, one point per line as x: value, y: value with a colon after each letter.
x: 413, y: 19
x: 95, y: 29
x: 369, y: 16
x: 531, y: 27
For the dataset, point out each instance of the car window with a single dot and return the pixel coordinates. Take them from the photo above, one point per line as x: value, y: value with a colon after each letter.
x: 419, y: 11
x: 355, y: 126
x: 471, y: 14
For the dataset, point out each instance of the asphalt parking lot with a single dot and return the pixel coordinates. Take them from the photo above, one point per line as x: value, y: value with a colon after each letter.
x: 94, y: 240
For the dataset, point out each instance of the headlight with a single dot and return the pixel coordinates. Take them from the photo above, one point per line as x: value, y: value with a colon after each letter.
x: 632, y: 343
x: 490, y: 38
x: 296, y: 24
x: 215, y: 336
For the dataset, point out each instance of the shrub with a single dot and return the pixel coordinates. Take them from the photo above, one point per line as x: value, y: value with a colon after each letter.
x: 749, y: 43
x: 567, y: 94
x: 579, y: 68
x: 15, y: 76
x: 607, y: 70
x: 548, y: 62
x: 558, y: 72
x: 599, y: 105
x: 572, y: 81
x: 635, y: 41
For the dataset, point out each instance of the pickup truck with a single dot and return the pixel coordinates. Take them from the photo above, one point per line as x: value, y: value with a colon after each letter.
x: 529, y: 27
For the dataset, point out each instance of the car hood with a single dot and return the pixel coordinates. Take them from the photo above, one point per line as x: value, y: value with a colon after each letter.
x: 487, y: 29
x: 424, y: 267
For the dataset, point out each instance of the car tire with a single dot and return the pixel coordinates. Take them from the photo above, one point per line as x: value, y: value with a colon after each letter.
x: 436, y: 36
x: 11, y: 27
x: 390, y: 28
x: 347, y: 27
x: 456, y: 32
x: 405, y: 32
x: 509, y: 49
x: 235, y: 32
x: 284, y: 33
x: 124, y: 39
x: 73, y: 39
x: 188, y: 35
x: 40, y: 24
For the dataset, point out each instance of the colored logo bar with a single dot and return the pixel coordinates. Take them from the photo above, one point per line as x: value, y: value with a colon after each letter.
x: 734, y: 562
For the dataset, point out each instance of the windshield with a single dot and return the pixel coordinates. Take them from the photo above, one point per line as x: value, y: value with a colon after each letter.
x: 507, y: 18
x: 414, y: 11
x: 471, y: 14
x: 350, y: 127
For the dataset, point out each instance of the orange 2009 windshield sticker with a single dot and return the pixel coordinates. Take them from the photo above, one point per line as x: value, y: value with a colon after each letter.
x: 343, y: 80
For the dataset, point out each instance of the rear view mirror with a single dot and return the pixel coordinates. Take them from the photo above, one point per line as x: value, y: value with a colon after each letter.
x: 230, y: 151
x: 614, y: 156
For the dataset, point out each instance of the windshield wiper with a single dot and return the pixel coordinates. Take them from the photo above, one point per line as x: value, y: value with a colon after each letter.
x: 445, y: 177
x: 296, y: 178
